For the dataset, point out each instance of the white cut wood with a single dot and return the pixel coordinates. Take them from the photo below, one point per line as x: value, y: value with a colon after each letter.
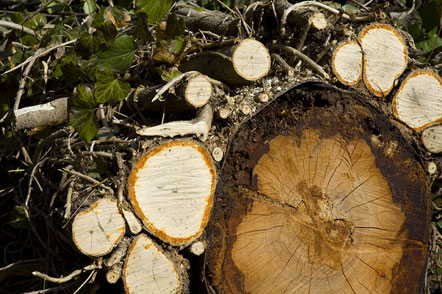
x: 251, y: 60
x: 318, y: 21
x: 171, y: 189
x: 198, y: 91
x: 54, y: 112
x: 132, y: 221
x: 197, y: 248
x: 99, y: 228
x: 418, y: 102
x: 432, y: 139
x: 347, y: 63
x: 148, y: 270
x: 385, y: 57
x: 200, y: 126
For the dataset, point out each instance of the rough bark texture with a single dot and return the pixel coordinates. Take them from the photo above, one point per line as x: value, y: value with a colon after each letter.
x: 326, y: 199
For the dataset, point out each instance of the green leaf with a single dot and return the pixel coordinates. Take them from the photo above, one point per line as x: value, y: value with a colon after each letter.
x: 119, y: 55
x: 109, y: 31
x: 415, y: 31
x: 168, y: 74
x: 81, y: 112
x: 91, y: 42
x: 108, y: 87
x: 18, y: 218
x: 432, y: 42
x: 350, y: 7
x: 142, y: 33
x: 118, y: 16
x: 89, y: 6
x: 155, y: 9
x: 175, y: 27
x: 177, y: 45
x: 430, y: 15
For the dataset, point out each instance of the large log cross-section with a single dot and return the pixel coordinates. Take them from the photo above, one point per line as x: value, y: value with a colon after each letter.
x: 323, y: 200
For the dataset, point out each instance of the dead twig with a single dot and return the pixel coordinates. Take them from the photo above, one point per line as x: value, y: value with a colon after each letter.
x: 87, y: 178
x: 18, y: 27
x: 67, y: 278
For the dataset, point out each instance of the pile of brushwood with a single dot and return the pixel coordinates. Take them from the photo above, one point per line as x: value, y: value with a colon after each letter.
x: 220, y: 147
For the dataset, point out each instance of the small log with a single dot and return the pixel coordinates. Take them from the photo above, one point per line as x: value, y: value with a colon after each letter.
x: 51, y: 113
x: 149, y: 270
x: 313, y: 202
x: 347, y: 63
x: 418, y: 102
x: 244, y: 62
x: 192, y: 94
x: 98, y: 229
x: 385, y: 57
x: 207, y: 20
x: 432, y: 139
x: 171, y: 189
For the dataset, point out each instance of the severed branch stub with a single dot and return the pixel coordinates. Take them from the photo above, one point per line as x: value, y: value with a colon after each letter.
x: 347, y: 63
x: 98, y: 229
x: 54, y: 112
x: 171, y: 189
x: 385, y: 57
x: 244, y: 62
x: 432, y: 139
x: 149, y: 270
x: 418, y: 102
x: 191, y: 92
x: 200, y: 126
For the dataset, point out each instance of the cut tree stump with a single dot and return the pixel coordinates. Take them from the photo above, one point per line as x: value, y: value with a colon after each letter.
x: 171, y: 188
x: 323, y: 199
x: 149, y: 270
x: 432, y: 139
x: 194, y: 93
x: 347, y: 63
x: 385, y: 57
x: 244, y: 62
x: 418, y: 102
x: 98, y: 229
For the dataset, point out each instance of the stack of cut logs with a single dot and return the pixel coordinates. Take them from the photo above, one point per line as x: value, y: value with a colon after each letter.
x: 318, y: 203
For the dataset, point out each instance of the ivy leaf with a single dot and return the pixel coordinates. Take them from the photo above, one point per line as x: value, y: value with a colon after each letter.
x: 155, y: 9
x: 428, y: 44
x: 430, y: 15
x: 175, y: 27
x: 81, y: 112
x: 91, y: 42
x: 108, y: 87
x: 119, y: 55
x: 89, y: 6
x: 142, y: 33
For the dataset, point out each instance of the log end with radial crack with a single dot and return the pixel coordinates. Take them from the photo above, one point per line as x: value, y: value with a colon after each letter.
x: 98, y: 229
x: 385, y: 57
x: 316, y: 203
x: 418, y: 102
x: 149, y: 270
x: 347, y: 63
x: 244, y: 62
x: 171, y: 188
x: 432, y: 138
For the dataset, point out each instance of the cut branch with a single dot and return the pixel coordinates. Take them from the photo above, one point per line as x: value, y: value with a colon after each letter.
x: 432, y: 139
x: 418, y: 102
x: 171, y: 189
x: 51, y: 113
x: 98, y: 229
x: 347, y: 63
x: 242, y: 63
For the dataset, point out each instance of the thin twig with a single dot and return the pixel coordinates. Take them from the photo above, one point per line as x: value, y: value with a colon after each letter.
x: 18, y: 27
x: 87, y: 178
x: 38, y: 54
x: 67, y: 278
x: 302, y: 56
x: 22, y: 84
x: 287, y: 68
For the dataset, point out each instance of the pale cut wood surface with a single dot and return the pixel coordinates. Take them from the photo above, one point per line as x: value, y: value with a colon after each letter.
x: 418, y: 102
x: 347, y: 63
x: 323, y: 222
x: 148, y: 270
x: 98, y: 229
x: 432, y: 139
x: 385, y: 57
x: 251, y: 60
x: 171, y: 189
x: 198, y: 91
